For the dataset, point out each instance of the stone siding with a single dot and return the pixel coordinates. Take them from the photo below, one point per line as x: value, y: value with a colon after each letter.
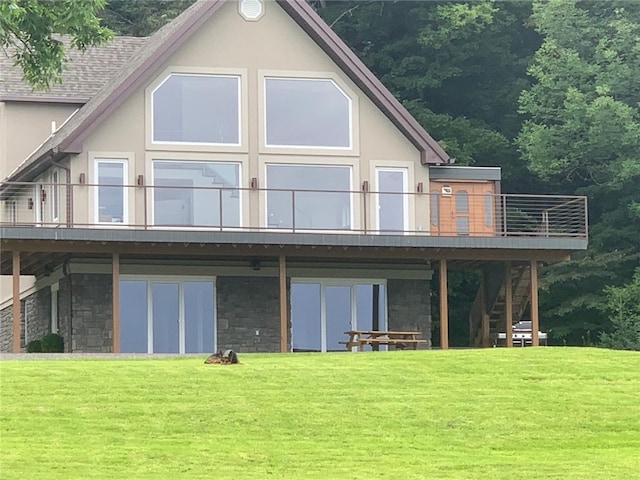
x: 246, y: 305
x: 410, y: 307
x: 6, y: 333
x: 37, y: 308
x: 91, y: 329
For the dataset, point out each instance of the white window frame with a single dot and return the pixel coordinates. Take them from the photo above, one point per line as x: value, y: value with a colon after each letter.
x: 405, y: 196
x: 125, y: 190
x: 352, y: 283
x: 55, y: 196
x: 306, y: 147
x: 54, y: 307
x: 195, y: 227
x: 180, y: 280
x: 237, y: 76
x: 352, y: 205
x: 39, y: 205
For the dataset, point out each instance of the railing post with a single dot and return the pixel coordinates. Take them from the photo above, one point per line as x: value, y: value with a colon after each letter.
x: 504, y: 215
x: 220, y: 202
x: 293, y: 210
x: 144, y: 206
x: 364, y: 206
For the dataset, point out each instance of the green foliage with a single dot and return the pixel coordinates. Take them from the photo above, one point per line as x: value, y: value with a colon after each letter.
x: 34, y: 346
x: 584, y: 119
x: 52, y: 343
x: 623, y: 304
x: 140, y: 18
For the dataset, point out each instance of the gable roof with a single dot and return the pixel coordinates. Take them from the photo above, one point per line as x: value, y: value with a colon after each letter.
x: 85, y: 74
x: 163, y: 43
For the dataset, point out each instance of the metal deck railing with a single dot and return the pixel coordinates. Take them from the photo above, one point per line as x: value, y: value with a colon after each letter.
x: 258, y: 209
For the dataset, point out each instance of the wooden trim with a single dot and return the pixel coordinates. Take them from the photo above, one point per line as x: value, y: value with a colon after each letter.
x: 16, y: 302
x: 283, y: 305
x: 116, y: 302
x: 444, y: 307
x: 535, y: 325
x: 508, y: 304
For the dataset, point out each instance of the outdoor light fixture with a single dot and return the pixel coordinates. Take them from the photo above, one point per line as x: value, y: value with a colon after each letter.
x: 254, y: 183
x: 140, y: 181
x: 255, y: 264
x: 82, y: 179
x: 365, y: 186
x: 420, y: 187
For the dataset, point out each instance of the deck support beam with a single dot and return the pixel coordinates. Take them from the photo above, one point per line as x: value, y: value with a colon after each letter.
x: 116, y: 302
x: 508, y: 305
x: 535, y: 324
x: 444, y: 307
x: 283, y: 305
x: 16, y: 302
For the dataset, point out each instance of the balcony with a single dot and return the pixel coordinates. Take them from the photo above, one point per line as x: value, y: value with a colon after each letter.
x: 224, y: 208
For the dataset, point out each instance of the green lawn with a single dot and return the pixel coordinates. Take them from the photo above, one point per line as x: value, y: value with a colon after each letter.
x: 562, y: 413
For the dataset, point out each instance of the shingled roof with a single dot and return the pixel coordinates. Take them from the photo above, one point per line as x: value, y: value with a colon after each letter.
x: 86, y: 73
x: 163, y: 43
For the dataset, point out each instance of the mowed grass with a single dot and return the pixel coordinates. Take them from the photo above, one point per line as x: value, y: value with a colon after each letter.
x: 562, y: 413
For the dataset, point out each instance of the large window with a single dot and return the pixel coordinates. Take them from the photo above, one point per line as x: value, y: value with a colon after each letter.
x: 197, y: 109
x: 303, y: 112
x: 201, y: 194
x: 111, y: 195
x: 312, y: 197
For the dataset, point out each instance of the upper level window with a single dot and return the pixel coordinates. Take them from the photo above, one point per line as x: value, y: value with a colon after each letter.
x: 306, y: 112
x: 191, y: 108
x: 111, y: 194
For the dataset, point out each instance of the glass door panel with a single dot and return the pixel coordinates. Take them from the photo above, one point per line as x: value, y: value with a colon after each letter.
x: 165, y: 308
x: 392, y: 201
x: 338, y: 315
x: 133, y: 317
x: 306, y: 325
x: 198, y: 317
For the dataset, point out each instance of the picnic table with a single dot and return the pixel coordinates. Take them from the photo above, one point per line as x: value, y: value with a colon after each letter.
x: 359, y: 338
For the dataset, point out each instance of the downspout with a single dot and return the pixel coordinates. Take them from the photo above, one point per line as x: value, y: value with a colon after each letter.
x: 69, y: 196
x: 67, y: 275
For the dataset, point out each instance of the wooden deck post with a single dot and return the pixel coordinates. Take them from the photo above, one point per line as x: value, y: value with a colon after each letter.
x: 16, y: 302
x: 444, y: 307
x: 116, y: 302
x: 535, y: 325
x: 508, y: 305
x: 283, y: 305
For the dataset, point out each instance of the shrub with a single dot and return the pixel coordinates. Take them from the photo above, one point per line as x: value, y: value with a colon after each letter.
x: 34, y: 346
x: 52, y: 343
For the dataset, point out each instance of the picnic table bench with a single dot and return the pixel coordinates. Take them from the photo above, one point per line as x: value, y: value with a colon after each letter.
x: 402, y: 340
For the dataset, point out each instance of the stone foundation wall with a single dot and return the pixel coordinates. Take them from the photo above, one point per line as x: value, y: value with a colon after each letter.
x: 409, y: 307
x: 6, y: 333
x: 246, y: 305
x: 91, y: 319
x: 37, y: 308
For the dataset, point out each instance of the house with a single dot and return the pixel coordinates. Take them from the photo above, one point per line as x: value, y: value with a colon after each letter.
x: 241, y: 180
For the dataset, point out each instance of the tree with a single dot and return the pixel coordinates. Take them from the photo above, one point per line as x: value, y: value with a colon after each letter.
x: 141, y: 17
x: 30, y: 32
x: 583, y: 135
x: 623, y: 303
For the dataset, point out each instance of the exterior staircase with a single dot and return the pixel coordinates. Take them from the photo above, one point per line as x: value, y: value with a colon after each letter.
x: 487, y: 316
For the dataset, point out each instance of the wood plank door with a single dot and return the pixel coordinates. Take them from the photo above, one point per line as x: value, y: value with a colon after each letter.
x: 465, y: 208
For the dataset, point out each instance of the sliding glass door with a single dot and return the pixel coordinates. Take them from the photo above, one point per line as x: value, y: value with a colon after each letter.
x: 322, y: 310
x: 167, y: 315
